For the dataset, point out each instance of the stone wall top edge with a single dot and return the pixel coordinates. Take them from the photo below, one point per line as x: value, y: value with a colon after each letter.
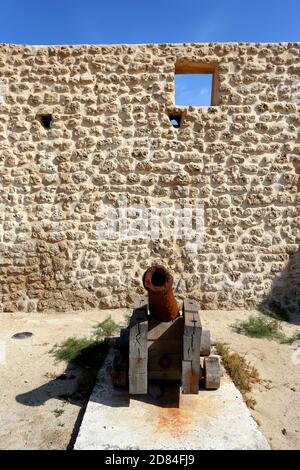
x: 112, y: 45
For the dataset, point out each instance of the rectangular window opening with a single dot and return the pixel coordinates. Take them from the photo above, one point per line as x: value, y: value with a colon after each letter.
x: 195, y: 85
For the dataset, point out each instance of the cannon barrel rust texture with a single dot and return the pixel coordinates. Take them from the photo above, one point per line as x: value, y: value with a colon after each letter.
x: 158, y: 281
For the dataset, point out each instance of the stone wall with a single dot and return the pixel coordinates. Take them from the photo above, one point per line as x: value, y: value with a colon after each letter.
x: 111, y: 135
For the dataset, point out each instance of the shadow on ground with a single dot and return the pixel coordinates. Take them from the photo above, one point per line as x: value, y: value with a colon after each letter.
x: 64, y: 387
x: 284, y: 295
x: 74, y: 385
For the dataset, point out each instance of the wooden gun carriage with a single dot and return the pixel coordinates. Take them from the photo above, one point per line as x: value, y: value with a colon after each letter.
x: 162, y: 343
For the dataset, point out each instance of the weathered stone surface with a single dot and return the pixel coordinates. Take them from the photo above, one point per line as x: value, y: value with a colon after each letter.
x: 111, y: 136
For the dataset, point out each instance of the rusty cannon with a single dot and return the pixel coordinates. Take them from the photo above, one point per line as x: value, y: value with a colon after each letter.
x: 163, y: 342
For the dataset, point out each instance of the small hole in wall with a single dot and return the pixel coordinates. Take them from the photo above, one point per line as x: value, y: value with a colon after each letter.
x: 45, y: 120
x: 175, y: 120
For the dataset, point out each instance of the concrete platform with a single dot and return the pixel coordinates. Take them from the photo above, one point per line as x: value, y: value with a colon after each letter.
x: 167, y: 419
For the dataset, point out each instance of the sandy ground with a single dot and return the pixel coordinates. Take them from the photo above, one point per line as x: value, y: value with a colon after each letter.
x: 34, y: 411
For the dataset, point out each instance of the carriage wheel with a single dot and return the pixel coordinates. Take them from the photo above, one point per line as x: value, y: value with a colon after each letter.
x: 212, y: 372
x: 205, y: 345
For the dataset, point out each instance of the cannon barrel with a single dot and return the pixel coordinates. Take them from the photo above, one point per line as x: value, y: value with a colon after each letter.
x: 158, y: 281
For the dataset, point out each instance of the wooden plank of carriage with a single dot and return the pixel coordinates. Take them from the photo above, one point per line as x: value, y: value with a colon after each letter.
x: 191, y: 347
x: 170, y: 330
x: 161, y: 346
x: 138, y: 351
x: 191, y: 374
x: 163, y: 361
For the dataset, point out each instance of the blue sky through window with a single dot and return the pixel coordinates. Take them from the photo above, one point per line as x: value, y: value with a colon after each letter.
x: 193, y: 89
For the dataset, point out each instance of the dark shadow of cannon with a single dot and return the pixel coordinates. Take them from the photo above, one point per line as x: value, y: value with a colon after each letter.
x: 74, y: 385
x: 284, y: 295
x: 63, y: 387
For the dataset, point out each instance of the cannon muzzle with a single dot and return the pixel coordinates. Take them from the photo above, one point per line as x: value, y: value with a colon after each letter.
x: 158, y: 281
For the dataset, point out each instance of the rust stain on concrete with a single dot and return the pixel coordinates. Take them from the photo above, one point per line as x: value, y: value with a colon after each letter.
x: 176, y: 421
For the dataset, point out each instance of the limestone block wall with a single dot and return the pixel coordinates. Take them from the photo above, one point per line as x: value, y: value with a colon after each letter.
x: 111, y: 135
